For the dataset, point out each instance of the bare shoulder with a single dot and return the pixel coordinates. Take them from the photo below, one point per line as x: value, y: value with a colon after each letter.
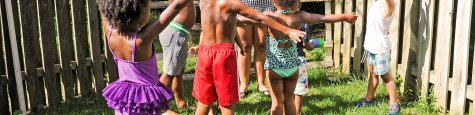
x: 300, y: 15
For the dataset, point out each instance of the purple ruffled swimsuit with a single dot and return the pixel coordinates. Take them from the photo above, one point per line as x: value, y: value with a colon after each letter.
x: 138, y: 89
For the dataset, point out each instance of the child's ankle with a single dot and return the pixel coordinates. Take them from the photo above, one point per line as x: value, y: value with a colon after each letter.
x: 393, y: 102
x: 369, y: 99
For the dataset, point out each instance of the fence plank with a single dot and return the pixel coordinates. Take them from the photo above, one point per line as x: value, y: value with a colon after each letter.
x: 395, y: 35
x: 337, y: 34
x: 460, y: 67
x: 95, y: 37
x: 30, y: 34
x: 48, y: 35
x: 113, y: 75
x: 2, y: 29
x: 10, y: 72
x: 472, y: 91
x: 472, y: 86
x: 411, y: 18
x: 329, y: 31
x: 424, y: 41
x: 4, y: 104
x: 66, y: 46
x: 360, y: 27
x: 442, y: 66
x: 347, y: 38
x: 80, y: 29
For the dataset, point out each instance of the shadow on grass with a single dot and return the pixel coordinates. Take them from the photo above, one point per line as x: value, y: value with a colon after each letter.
x: 92, y: 104
x: 315, y: 104
x: 325, y: 109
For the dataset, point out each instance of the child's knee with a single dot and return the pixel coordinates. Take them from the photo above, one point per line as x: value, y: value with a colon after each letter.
x: 289, y: 98
x: 277, y: 106
x: 387, y: 78
x: 280, y: 100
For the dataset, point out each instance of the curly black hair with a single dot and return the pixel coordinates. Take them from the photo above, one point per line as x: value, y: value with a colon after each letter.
x: 121, y: 13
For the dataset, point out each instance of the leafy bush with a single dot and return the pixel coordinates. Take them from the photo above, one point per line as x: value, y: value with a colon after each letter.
x: 317, y: 54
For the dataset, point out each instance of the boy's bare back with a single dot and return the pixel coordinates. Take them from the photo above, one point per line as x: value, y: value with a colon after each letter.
x: 186, y: 16
x: 217, y: 21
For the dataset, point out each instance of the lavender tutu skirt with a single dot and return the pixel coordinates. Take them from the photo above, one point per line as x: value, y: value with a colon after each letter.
x: 134, y: 98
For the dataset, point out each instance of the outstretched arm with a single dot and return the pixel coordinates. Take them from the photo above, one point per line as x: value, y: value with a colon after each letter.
x: 152, y: 30
x: 240, y: 8
x: 331, y: 18
x: 244, y: 20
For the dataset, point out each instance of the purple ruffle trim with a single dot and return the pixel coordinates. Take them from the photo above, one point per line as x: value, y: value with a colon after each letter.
x: 137, y: 98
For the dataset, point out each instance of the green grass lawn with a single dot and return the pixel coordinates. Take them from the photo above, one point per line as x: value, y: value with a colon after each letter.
x: 325, y: 97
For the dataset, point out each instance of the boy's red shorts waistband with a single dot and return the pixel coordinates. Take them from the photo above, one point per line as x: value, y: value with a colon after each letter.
x: 221, y: 46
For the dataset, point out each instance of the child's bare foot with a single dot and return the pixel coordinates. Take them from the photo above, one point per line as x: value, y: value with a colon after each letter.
x: 243, y: 94
x: 185, y: 105
x: 181, y: 104
x: 263, y: 89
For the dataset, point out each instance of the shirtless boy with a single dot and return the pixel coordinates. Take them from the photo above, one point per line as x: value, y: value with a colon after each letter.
x: 216, y: 69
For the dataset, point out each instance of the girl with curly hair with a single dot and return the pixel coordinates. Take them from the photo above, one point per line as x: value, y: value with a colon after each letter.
x: 138, y: 89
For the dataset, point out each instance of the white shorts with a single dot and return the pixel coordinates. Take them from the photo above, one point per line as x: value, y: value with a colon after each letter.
x: 302, y: 82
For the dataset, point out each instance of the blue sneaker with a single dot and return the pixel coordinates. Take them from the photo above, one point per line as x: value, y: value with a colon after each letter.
x: 394, y: 109
x: 365, y: 102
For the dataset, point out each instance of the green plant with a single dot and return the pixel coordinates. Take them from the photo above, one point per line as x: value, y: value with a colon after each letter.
x: 399, y: 82
x: 317, y: 54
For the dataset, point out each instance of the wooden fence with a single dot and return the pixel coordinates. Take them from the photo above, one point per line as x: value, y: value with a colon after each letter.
x: 63, y: 53
x: 432, y: 47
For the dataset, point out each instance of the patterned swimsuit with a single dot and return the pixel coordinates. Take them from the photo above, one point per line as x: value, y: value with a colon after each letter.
x: 260, y: 5
x: 281, y: 58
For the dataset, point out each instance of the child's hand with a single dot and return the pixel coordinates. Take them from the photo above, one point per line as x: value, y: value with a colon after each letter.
x: 193, y: 50
x: 350, y: 17
x: 296, y: 35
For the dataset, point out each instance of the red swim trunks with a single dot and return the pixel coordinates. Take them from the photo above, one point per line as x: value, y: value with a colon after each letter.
x: 216, y: 75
